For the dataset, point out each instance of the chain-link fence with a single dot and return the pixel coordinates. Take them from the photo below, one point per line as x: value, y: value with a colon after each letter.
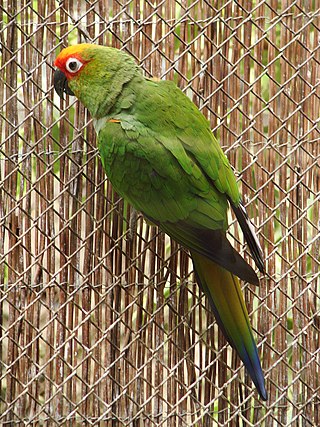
x: 103, y: 325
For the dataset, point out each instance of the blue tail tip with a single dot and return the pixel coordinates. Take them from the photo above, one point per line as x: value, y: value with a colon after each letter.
x: 263, y: 393
x: 260, y: 385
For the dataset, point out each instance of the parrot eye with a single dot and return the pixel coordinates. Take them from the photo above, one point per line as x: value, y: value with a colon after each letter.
x: 73, y: 65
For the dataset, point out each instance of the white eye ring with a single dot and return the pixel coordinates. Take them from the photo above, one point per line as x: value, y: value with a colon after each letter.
x: 73, y: 65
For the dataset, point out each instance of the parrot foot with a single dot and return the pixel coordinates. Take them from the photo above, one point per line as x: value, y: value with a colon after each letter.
x: 132, y: 230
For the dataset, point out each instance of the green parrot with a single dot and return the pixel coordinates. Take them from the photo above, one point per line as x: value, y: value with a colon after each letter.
x: 159, y: 153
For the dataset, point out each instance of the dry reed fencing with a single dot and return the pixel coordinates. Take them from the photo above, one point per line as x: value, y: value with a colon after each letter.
x: 102, y: 326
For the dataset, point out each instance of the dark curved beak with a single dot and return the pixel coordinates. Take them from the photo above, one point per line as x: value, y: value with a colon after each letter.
x: 60, y: 83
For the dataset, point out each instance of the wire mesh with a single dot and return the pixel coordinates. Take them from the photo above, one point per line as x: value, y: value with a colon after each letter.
x: 101, y: 322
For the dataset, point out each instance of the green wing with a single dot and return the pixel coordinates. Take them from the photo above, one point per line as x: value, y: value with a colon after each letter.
x: 173, y: 113
x: 152, y: 178
x: 162, y: 157
x: 165, y: 132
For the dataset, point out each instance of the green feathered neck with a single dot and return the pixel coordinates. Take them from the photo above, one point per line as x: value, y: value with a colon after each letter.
x: 108, y: 65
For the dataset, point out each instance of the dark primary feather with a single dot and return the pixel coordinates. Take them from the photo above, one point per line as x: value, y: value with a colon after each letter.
x: 212, y: 244
x: 249, y: 234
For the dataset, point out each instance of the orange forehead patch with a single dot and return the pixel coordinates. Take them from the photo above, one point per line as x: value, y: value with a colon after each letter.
x: 68, y: 52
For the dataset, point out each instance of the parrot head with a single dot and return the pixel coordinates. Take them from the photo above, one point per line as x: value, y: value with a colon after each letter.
x: 94, y: 74
x: 68, y: 63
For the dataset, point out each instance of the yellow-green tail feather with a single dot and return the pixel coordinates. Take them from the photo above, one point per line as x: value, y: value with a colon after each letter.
x: 226, y: 299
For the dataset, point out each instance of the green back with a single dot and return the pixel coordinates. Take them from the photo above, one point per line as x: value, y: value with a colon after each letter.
x: 163, y: 157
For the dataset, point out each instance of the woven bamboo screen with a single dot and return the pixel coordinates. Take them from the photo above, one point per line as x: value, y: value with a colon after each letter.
x: 101, y: 322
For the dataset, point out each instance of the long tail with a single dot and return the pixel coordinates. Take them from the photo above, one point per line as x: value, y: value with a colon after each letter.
x: 226, y: 299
